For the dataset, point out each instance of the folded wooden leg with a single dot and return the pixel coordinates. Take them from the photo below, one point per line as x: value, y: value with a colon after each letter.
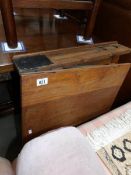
x: 9, y: 23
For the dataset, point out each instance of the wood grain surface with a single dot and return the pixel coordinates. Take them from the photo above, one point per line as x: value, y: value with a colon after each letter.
x: 9, y: 19
x: 72, y: 96
x: 103, y: 53
x: 58, y: 4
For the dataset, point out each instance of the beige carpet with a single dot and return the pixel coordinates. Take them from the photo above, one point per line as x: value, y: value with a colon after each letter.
x: 112, y: 142
x: 117, y: 155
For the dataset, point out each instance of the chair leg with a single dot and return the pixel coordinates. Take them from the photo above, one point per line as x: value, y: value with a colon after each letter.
x: 92, y: 19
x: 9, y: 23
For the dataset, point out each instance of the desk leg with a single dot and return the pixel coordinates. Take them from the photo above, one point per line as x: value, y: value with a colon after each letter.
x: 92, y: 19
x: 9, y: 23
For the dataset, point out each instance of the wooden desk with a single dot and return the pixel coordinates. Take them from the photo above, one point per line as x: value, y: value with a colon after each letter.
x: 48, y: 34
x: 6, y: 63
x: 7, y: 12
x: 100, y: 50
x: 68, y: 86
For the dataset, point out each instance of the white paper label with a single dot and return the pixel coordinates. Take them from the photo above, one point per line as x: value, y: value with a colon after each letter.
x: 42, y: 82
x: 30, y: 131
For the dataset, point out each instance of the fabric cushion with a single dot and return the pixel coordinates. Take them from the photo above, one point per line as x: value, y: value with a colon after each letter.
x: 64, y: 151
x: 5, y: 167
x: 123, y: 3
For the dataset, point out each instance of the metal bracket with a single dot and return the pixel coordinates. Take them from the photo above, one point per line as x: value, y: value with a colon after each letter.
x: 82, y: 40
x: 6, y: 49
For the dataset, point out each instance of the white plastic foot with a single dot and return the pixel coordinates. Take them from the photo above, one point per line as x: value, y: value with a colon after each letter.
x: 6, y: 49
x: 81, y: 40
x: 57, y: 16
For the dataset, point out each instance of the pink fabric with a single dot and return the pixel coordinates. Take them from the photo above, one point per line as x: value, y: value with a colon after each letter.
x: 61, y: 152
x: 5, y: 167
x: 57, y: 148
x: 14, y: 163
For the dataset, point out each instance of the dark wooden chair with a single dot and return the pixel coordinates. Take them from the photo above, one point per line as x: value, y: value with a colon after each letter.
x: 9, y: 21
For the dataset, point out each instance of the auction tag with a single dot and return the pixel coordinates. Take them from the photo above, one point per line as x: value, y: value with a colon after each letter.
x: 42, y: 82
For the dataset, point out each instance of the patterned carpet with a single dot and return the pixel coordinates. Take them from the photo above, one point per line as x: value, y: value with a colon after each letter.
x: 112, y: 142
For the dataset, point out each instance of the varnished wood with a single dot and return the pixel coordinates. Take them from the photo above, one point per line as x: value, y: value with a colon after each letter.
x: 92, y: 19
x: 6, y: 65
x: 103, y: 53
x: 72, y: 96
x: 8, y: 17
x: 60, y: 34
x: 76, y: 92
x: 57, y: 4
x: 9, y: 22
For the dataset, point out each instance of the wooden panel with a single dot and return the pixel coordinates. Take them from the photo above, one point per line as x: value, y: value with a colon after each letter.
x: 87, y: 54
x: 103, y: 53
x: 71, y: 97
x: 6, y: 64
x: 110, y: 48
x: 57, y: 4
